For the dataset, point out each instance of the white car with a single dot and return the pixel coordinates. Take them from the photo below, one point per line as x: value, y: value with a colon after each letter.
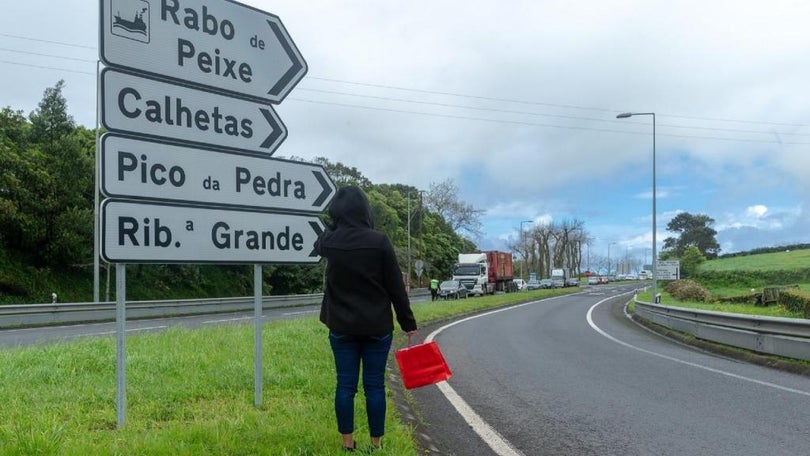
x: 520, y: 284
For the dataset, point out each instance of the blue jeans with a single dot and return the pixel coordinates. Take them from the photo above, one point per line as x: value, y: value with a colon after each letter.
x: 350, y: 352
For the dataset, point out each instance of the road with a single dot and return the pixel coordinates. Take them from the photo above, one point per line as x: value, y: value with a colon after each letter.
x: 35, y: 335
x: 29, y: 336
x: 573, y: 375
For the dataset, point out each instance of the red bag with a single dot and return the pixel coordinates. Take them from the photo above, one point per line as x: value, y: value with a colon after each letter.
x: 422, y: 365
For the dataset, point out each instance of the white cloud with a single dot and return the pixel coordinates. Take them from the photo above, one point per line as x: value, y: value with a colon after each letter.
x: 757, y: 211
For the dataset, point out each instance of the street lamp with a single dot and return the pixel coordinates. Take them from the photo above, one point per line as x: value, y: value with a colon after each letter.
x: 625, y: 115
x: 523, y: 241
x: 612, y: 243
x: 409, y: 232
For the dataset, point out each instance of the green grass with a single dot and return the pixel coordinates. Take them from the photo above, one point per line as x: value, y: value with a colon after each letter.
x: 190, y: 392
x: 746, y: 309
x: 778, y: 261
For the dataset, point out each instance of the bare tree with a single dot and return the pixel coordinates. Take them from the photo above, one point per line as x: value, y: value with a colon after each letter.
x: 442, y: 198
x: 542, y: 235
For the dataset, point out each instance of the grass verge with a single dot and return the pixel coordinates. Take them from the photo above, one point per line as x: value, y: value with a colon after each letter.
x: 190, y: 392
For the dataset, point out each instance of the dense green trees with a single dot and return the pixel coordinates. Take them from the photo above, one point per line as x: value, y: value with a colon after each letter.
x: 47, y: 166
x: 46, y: 183
x: 694, y: 231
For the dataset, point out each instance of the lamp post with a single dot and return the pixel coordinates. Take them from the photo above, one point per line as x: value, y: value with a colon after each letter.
x: 625, y: 115
x: 612, y: 243
x: 409, y: 235
x: 523, y: 242
x: 588, y: 244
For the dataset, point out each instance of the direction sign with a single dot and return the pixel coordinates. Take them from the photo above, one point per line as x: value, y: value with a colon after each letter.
x: 218, y: 45
x: 138, y: 169
x: 134, y: 232
x: 668, y: 270
x: 160, y: 110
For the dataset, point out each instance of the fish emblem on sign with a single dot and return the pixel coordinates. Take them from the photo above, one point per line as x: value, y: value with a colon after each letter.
x: 130, y: 20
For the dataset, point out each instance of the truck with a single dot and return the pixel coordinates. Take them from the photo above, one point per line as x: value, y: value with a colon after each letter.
x: 485, y: 272
x: 560, y: 277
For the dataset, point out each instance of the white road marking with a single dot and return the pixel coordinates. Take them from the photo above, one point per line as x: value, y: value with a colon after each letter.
x: 224, y: 320
x: 301, y: 312
x: 105, y: 333
x: 589, y: 317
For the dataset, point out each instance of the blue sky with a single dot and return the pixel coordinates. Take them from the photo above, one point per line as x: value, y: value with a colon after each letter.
x: 516, y: 101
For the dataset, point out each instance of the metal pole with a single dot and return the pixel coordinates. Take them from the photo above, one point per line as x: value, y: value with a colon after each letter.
x: 409, y: 241
x: 257, y: 335
x: 96, y: 239
x: 120, y: 336
x: 654, y: 258
x: 523, y: 242
x: 654, y: 226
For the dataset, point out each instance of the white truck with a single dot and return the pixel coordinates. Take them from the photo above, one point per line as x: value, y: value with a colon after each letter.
x: 485, y: 272
x: 560, y: 277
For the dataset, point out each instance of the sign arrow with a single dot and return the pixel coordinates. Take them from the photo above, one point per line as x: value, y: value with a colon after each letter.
x: 133, y: 168
x: 327, y: 186
x: 160, y: 110
x: 214, y: 45
x: 317, y: 227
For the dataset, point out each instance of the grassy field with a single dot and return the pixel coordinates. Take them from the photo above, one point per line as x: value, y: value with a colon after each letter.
x: 790, y: 259
x: 746, y: 309
x: 190, y: 392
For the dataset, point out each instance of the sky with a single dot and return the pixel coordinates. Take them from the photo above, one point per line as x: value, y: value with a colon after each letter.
x: 516, y: 102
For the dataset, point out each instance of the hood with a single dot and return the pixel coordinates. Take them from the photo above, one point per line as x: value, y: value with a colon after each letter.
x: 350, y: 208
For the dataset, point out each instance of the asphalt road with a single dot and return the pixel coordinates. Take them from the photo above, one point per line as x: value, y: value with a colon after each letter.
x: 545, y: 380
x: 47, y: 334
x: 29, y: 336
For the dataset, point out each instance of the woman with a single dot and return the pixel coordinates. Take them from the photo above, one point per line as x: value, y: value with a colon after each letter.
x: 363, y: 280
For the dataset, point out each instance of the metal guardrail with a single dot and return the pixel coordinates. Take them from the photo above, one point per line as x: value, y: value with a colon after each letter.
x: 788, y: 337
x: 29, y: 315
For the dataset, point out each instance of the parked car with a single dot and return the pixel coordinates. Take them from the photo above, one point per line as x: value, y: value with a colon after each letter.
x: 593, y: 280
x: 520, y: 284
x: 603, y: 280
x: 533, y: 285
x: 572, y: 282
x: 452, y: 289
x: 546, y: 283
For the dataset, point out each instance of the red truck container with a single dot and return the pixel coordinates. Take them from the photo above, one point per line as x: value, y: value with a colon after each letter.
x: 500, y: 269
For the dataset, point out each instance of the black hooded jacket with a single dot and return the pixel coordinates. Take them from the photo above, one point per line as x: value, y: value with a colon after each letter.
x: 363, y: 278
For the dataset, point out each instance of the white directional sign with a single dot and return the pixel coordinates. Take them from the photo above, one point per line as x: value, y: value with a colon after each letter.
x: 160, y: 110
x: 668, y: 270
x: 138, y: 169
x: 156, y: 233
x: 219, y: 45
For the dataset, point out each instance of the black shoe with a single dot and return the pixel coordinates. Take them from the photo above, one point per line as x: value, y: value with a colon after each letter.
x: 351, y: 448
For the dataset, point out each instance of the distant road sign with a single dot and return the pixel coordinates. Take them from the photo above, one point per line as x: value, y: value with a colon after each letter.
x: 668, y: 270
x: 160, y: 110
x: 216, y: 45
x: 138, y: 169
x: 135, y: 232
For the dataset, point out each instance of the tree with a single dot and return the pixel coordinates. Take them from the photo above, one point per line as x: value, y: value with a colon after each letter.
x: 695, y: 230
x: 463, y: 218
x: 691, y: 259
x: 46, y: 183
x: 343, y: 175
